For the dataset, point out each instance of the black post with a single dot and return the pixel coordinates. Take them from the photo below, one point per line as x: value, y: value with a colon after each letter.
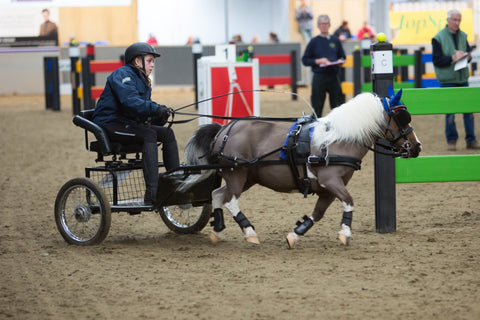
x: 197, y: 54
x: 384, y: 165
x: 88, y: 102
x: 404, y: 69
x: 357, y: 72
x: 418, y: 69
x: 52, y: 83
x: 293, y: 73
x: 74, y: 53
x: 88, y: 79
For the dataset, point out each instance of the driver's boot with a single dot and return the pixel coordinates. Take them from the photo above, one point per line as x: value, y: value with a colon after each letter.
x: 150, y: 172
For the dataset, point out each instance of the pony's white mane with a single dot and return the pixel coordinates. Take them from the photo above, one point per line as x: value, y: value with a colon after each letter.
x: 359, y: 120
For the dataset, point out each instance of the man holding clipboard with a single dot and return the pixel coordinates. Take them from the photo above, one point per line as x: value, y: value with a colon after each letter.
x: 325, y: 55
x: 451, y: 54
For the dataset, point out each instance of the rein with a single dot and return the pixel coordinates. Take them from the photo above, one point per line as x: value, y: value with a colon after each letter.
x: 196, y: 115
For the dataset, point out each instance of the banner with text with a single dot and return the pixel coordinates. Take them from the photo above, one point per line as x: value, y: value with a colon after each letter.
x: 419, y: 27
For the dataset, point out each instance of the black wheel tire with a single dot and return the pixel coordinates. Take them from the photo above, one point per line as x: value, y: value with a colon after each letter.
x: 186, y: 219
x: 82, y: 212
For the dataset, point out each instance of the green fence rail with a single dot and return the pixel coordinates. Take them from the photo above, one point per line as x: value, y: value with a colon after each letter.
x: 440, y: 168
x: 442, y: 100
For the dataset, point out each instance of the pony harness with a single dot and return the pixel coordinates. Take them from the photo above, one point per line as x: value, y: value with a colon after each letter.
x: 296, y: 151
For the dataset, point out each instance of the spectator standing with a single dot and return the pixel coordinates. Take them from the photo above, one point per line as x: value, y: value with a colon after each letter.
x: 304, y: 16
x: 343, y: 32
x: 273, y: 37
x: 152, y: 40
x: 324, y: 54
x: 449, y: 45
x: 365, y: 32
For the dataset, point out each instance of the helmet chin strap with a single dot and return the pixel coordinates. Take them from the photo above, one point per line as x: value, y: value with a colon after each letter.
x: 143, y: 64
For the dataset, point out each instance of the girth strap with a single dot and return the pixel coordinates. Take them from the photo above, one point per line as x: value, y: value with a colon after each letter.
x: 335, y: 160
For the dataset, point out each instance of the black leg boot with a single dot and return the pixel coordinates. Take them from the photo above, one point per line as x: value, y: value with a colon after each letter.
x: 150, y: 172
x: 170, y: 155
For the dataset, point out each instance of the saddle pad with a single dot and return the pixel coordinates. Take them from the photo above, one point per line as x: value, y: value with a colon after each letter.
x: 302, y: 149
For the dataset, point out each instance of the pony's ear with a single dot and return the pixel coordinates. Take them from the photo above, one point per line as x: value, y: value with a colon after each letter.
x: 395, y: 101
x: 386, y: 106
x: 390, y: 92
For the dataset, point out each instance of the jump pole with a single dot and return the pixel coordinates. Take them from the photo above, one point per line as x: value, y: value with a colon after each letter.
x: 384, y: 165
x: 74, y: 54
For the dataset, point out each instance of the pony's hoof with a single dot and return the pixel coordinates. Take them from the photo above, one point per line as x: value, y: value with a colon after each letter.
x: 214, y: 237
x: 344, y: 239
x: 292, y: 239
x: 345, y: 234
x: 253, y: 240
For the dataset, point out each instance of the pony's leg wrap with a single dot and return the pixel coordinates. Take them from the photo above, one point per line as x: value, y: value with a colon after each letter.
x: 247, y: 228
x: 242, y: 221
x: 300, y: 230
x: 347, y: 218
x: 345, y: 233
x: 303, y: 227
x: 218, y: 222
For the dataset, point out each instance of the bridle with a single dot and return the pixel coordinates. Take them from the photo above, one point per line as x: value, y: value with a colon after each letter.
x: 401, y: 117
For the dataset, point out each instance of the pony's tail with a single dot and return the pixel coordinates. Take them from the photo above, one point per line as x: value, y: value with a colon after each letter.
x: 198, y: 152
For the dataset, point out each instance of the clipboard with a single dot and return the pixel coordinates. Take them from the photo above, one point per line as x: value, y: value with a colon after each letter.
x: 332, y: 63
x: 461, y: 62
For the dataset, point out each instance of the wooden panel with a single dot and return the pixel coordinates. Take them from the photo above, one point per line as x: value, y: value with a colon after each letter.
x: 117, y: 25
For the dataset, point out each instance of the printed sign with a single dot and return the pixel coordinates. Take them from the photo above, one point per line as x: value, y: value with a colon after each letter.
x: 419, y: 27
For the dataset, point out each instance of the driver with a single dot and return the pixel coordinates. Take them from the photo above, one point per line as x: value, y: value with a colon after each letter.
x: 129, y: 116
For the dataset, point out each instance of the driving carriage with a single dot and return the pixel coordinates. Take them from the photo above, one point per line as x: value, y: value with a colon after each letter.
x: 313, y: 156
x: 83, y: 206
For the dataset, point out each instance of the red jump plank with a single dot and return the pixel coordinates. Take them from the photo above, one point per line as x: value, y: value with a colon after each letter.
x: 96, y: 92
x: 104, y: 66
x: 274, y: 59
x: 271, y: 81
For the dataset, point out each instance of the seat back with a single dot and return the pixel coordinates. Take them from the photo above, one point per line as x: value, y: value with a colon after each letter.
x: 84, y: 120
x: 103, y: 146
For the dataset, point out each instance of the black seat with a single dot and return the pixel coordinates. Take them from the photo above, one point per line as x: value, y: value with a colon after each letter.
x: 103, y: 146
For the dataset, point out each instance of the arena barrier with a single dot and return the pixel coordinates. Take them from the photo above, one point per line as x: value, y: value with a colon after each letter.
x: 448, y: 168
x: 290, y: 80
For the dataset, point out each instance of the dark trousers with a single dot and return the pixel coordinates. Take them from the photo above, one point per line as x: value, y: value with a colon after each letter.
x: 321, y: 84
x: 139, y: 133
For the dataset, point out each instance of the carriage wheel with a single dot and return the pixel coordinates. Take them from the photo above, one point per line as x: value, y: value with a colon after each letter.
x: 186, y: 219
x: 82, y: 212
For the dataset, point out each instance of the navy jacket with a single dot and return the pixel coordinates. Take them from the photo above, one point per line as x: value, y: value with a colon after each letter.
x: 319, y: 47
x: 125, y: 99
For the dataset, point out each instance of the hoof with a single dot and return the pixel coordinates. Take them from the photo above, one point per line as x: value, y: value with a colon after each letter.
x: 214, y: 237
x: 345, y: 234
x: 250, y: 235
x: 344, y: 239
x: 253, y: 240
x: 292, y: 239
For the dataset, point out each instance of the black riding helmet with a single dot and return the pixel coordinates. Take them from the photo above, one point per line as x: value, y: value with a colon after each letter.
x: 139, y: 49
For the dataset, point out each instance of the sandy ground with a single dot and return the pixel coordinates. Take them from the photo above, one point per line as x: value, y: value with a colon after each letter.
x: 428, y: 269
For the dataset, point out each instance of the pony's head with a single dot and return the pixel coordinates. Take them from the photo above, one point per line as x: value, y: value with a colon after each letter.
x: 398, y: 131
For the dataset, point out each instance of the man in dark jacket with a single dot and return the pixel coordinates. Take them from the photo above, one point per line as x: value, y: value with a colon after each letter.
x: 129, y: 116
x: 325, y: 54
